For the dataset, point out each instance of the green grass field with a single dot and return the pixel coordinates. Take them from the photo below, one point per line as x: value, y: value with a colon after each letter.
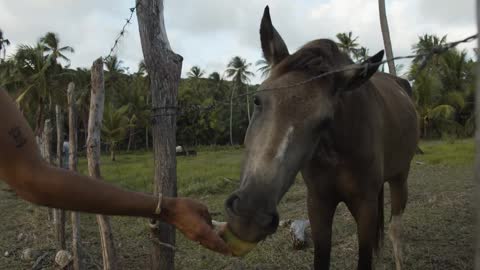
x: 438, y: 222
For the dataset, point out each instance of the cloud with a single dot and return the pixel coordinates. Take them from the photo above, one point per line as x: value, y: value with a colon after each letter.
x: 209, y: 33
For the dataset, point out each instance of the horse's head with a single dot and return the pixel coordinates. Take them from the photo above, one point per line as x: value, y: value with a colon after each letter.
x: 289, y: 120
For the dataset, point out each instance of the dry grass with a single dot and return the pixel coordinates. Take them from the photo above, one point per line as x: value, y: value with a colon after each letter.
x: 438, y: 220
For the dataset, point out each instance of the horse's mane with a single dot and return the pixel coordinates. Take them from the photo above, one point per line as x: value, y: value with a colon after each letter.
x: 316, y: 56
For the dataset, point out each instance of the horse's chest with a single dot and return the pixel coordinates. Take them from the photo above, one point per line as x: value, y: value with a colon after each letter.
x: 347, y: 184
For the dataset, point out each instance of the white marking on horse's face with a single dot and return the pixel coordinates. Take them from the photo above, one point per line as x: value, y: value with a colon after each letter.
x: 282, y: 148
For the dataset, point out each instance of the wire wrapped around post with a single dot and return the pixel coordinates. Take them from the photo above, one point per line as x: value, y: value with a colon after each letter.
x: 164, y: 111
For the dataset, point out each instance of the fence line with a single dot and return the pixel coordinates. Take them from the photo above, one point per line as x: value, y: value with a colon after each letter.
x: 122, y: 32
x: 178, y: 110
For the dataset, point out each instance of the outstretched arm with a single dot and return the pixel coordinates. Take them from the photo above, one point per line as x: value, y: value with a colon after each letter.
x: 22, y: 167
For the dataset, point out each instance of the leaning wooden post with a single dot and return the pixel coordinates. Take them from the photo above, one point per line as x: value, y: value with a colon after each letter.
x: 72, y: 163
x: 386, y: 36
x: 58, y: 214
x: 164, y: 67
x: 97, y: 100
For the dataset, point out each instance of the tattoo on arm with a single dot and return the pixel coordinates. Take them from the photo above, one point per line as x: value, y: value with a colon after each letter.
x: 17, y: 136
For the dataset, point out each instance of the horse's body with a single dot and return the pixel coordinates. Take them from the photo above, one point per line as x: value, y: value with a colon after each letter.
x: 347, y: 133
x: 373, y: 140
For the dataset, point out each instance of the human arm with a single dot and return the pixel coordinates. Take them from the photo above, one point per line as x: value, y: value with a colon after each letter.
x: 22, y: 167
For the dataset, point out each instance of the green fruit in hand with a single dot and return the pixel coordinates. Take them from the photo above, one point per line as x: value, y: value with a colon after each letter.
x: 237, y: 246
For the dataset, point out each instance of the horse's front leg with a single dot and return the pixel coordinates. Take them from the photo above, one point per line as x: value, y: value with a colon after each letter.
x: 321, y: 211
x: 365, y: 212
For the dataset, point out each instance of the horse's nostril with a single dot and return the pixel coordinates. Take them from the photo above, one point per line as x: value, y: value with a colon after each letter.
x: 268, y: 221
x: 232, y: 203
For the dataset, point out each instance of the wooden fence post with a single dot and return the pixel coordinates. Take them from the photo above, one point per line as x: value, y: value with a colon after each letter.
x: 164, y: 67
x: 45, y: 143
x: 58, y: 214
x: 477, y: 146
x: 97, y: 100
x: 72, y: 163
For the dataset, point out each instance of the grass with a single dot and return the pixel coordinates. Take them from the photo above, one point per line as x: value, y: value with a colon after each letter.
x: 438, y: 223
x: 452, y: 153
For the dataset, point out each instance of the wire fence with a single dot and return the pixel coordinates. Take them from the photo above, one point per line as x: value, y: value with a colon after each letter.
x: 168, y: 111
x: 424, y: 58
x: 122, y: 32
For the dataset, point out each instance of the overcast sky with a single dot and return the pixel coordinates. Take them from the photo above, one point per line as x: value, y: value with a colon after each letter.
x: 208, y: 33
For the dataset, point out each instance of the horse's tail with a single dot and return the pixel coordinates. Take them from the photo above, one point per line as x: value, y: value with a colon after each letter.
x: 380, y: 223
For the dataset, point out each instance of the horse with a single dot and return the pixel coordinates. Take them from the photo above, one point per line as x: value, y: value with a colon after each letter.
x: 347, y: 132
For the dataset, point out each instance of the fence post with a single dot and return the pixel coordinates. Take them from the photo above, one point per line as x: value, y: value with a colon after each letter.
x: 58, y: 214
x: 164, y: 67
x: 72, y: 163
x: 477, y: 146
x: 97, y: 100
x: 45, y: 143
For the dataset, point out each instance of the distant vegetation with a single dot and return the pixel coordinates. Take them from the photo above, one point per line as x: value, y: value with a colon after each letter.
x: 37, y: 75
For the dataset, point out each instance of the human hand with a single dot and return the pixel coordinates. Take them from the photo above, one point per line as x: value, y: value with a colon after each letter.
x: 193, y: 220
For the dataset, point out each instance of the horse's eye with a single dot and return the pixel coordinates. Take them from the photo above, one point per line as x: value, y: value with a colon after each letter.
x: 256, y: 101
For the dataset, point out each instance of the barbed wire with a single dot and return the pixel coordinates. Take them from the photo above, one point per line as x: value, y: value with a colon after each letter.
x: 122, y: 32
x: 424, y: 58
x: 165, y: 111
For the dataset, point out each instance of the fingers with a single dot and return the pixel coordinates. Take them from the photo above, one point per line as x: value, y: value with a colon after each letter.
x: 212, y: 241
x: 206, y: 215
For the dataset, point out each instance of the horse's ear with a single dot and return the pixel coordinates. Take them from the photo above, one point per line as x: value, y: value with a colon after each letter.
x: 273, y: 46
x: 357, y: 74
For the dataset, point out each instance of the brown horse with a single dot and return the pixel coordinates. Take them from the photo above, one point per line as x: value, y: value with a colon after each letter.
x: 347, y: 133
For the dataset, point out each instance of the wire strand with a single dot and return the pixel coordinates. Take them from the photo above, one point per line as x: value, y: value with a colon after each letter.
x: 122, y: 32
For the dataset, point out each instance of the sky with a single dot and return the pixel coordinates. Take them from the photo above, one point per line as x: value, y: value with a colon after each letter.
x: 208, y: 33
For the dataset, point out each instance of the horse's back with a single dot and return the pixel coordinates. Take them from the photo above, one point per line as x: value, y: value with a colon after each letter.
x: 400, y: 124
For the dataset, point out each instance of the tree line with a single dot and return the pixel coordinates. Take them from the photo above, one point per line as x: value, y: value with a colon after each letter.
x: 214, y: 108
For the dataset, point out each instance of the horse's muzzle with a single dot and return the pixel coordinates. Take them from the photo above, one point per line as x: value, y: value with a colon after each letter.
x: 251, y: 217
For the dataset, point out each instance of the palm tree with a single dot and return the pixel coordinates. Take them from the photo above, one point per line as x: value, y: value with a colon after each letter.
x: 441, y: 116
x: 51, y: 41
x: 263, y: 67
x: 115, y: 126
x: 82, y: 79
x: 9, y: 76
x: 362, y: 54
x: 113, y: 76
x: 454, y: 70
x: 3, y: 44
x: 142, y: 81
x: 347, y: 43
x: 386, y: 37
x: 135, y: 96
x: 215, y: 76
x: 32, y: 67
x: 442, y: 87
x: 425, y: 45
x: 114, y: 65
x: 195, y: 73
x: 142, y: 68
x: 237, y: 69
